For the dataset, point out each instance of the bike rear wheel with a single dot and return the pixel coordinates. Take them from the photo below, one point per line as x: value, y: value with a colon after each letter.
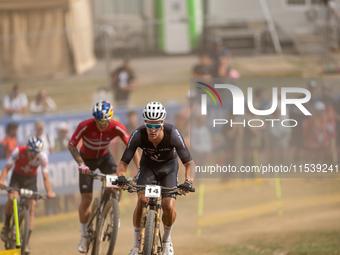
x: 24, y: 223
x: 92, y: 228
x: 108, y: 228
x: 149, y: 233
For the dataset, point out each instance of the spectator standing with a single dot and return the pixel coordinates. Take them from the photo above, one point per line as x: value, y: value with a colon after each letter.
x: 279, y: 140
x: 10, y: 142
x: 133, y: 124
x: 123, y: 82
x: 51, y: 206
x: 296, y: 151
x: 316, y: 134
x: 48, y: 140
x: 42, y: 103
x: 204, y: 68
x: 61, y: 143
x: 225, y: 70
x: 15, y: 103
x: 216, y: 54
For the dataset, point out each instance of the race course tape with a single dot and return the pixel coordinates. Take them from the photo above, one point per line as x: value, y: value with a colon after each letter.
x: 268, y: 208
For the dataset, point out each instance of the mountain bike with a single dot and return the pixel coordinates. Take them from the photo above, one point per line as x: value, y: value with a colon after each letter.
x: 24, y: 218
x: 102, y: 227
x: 150, y: 236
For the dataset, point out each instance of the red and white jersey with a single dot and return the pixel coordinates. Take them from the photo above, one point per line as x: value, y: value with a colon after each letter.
x: 95, y: 143
x: 23, y: 166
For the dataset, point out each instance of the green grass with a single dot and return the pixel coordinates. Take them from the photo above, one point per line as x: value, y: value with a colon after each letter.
x: 296, y: 243
x: 308, y: 243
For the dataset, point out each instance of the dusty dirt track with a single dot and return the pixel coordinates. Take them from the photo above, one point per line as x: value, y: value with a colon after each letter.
x: 248, y: 210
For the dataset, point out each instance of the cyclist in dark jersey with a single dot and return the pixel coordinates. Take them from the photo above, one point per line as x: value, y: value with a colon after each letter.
x: 161, y: 143
x: 97, y: 133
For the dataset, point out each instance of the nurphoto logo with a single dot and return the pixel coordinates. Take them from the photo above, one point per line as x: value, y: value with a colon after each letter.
x: 238, y: 104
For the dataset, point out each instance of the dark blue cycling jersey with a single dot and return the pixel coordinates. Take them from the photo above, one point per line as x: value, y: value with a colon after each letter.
x: 171, y: 145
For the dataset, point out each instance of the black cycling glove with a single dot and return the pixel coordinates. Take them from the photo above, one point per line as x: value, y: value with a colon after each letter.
x: 121, y: 181
x: 185, y: 186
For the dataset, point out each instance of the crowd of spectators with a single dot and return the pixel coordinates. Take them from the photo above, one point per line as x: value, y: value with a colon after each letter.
x: 215, y: 63
x: 15, y: 103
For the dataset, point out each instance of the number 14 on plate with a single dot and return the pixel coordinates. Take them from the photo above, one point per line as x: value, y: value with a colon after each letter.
x: 152, y: 191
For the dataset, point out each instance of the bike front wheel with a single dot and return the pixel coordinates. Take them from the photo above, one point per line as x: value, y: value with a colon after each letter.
x: 24, y: 223
x: 108, y: 228
x: 149, y: 232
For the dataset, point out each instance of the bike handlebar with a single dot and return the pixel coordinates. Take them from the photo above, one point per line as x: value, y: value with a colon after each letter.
x: 26, y: 193
x: 95, y: 175
x: 133, y: 188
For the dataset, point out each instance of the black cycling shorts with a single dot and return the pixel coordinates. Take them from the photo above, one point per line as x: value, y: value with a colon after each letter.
x: 164, y: 172
x: 23, y: 181
x: 105, y: 164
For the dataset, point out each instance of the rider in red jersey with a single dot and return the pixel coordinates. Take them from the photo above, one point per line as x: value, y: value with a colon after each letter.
x: 97, y: 133
x: 26, y: 160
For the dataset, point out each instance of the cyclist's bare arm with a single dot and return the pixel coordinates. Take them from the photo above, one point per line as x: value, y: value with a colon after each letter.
x: 121, y: 168
x: 75, y: 154
x: 188, y: 167
x: 4, y: 174
x: 48, y: 186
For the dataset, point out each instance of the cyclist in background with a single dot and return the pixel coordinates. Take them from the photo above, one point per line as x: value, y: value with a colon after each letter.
x: 160, y: 142
x: 26, y: 160
x: 97, y: 133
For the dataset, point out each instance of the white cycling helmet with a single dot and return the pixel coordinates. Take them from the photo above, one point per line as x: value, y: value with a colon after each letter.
x: 102, y: 110
x: 154, y: 111
x: 35, y: 144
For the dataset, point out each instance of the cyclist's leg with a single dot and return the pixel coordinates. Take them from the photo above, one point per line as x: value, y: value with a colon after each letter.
x: 32, y: 204
x: 168, y: 200
x: 86, y: 188
x: 145, y: 176
x: 15, y: 182
x: 30, y: 182
x: 85, y: 185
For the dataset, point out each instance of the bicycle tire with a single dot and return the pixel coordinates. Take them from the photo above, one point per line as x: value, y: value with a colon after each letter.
x: 94, y: 225
x: 108, y: 231
x: 149, y: 233
x: 24, y: 223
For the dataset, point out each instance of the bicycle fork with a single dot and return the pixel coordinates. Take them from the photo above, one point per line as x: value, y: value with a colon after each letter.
x: 157, y: 227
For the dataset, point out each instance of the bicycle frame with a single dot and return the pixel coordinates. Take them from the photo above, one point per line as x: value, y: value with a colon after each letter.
x: 25, y: 196
x: 105, y: 195
x: 155, y: 205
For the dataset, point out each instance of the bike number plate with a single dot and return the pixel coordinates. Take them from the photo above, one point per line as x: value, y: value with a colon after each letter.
x: 152, y: 191
x: 109, y: 180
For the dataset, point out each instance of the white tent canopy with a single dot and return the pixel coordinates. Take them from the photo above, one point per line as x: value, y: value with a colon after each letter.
x: 41, y: 38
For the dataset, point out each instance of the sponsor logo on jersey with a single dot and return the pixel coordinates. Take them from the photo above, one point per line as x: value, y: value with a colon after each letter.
x: 94, y: 134
x: 180, y: 138
x: 150, y: 151
x: 165, y: 149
